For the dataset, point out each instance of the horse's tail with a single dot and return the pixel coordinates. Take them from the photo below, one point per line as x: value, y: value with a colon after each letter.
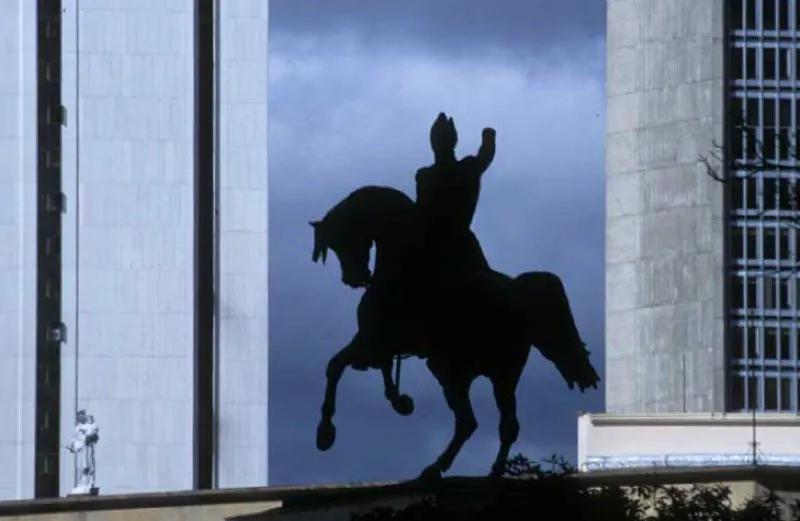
x: 550, y: 326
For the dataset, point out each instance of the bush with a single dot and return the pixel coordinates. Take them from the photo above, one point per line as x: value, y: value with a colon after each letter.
x: 542, y: 493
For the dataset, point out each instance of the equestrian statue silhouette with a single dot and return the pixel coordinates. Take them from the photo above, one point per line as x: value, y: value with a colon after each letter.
x: 432, y: 294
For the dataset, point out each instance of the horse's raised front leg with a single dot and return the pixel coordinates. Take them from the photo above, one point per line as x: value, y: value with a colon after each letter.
x: 326, y: 430
x: 456, y: 392
x: 506, y: 400
x: 401, y: 403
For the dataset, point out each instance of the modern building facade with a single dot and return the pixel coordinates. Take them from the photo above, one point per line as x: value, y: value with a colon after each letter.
x: 98, y: 215
x: 665, y: 220
x: 702, y: 294
x: 702, y: 289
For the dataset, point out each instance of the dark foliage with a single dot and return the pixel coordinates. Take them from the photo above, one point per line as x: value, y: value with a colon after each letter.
x: 548, y: 491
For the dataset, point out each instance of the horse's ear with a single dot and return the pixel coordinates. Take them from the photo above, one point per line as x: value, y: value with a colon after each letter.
x: 313, y: 224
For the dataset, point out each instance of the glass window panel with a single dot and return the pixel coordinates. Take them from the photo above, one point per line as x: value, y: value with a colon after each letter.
x: 784, y: 194
x: 738, y: 63
x: 771, y: 393
x: 769, y: 112
x: 750, y: 57
x: 737, y: 393
x: 784, y: 144
x: 738, y: 346
x: 737, y: 242
x: 770, y: 343
x: 768, y: 15
x: 786, y: 394
x: 752, y: 392
x: 770, y: 57
x: 786, y: 344
x: 785, y: 110
x: 770, y: 243
x: 752, y: 293
x: 737, y: 291
x: 751, y: 107
x: 784, y: 21
x: 752, y: 192
x: 751, y: 14
x: 752, y: 243
x: 737, y: 14
x: 770, y: 194
x: 786, y: 294
x: 784, y: 244
x: 770, y: 144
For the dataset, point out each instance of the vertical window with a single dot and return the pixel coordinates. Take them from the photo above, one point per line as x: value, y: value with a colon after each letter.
x: 737, y: 14
x: 737, y: 393
x: 770, y: 243
x: 770, y: 199
x: 770, y: 343
x: 784, y: 245
x: 752, y: 192
x: 744, y: 342
x: 770, y: 144
x: 751, y: 14
x: 738, y: 62
x: 785, y: 144
x: 752, y: 393
x: 737, y: 292
x: 771, y: 393
x: 737, y: 242
x: 786, y: 294
x: 784, y: 22
x: 752, y: 293
x: 786, y: 344
x: 786, y: 394
x: 750, y: 63
x: 768, y: 15
x: 770, y: 57
x: 784, y: 194
x: 752, y: 243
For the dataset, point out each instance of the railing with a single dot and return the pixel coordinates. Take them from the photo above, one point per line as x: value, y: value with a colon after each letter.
x: 687, y: 460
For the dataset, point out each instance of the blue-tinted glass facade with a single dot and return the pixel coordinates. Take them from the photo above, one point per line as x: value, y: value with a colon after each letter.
x: 764, y: 292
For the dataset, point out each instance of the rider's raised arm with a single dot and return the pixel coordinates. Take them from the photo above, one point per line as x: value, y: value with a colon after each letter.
x: 485, y: 155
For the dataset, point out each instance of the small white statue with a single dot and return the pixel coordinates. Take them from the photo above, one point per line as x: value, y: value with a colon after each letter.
x: 87, y: 434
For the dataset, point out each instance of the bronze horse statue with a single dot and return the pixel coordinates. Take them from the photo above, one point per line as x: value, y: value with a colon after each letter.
x: 463, y: 330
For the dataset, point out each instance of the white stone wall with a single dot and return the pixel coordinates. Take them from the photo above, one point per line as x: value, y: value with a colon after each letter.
x: 128, y: 174
x: 18, y: 252
x: 242, y: 305
x: 665, y: 310
x: 679, y: 438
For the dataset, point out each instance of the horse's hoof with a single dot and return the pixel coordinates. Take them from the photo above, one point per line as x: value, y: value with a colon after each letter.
x: 498, y: 471
x: 430, y: 474
x: 326, y: 435
x: 403, y: 405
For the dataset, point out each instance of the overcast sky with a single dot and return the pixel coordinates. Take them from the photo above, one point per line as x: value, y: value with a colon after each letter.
x: 354, y: 87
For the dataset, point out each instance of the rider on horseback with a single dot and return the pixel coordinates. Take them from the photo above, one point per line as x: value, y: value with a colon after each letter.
x: 447, y: 197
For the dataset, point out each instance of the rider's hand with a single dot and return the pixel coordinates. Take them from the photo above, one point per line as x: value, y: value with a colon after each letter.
x: 489, y: 134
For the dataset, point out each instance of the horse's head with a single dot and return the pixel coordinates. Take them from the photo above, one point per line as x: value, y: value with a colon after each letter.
x: 370, y: 215
x: 351, y: 248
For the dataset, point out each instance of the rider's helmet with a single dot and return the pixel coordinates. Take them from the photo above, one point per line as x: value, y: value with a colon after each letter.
x: 444, y: 136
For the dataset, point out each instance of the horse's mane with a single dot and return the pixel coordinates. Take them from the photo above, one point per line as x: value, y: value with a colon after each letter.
x: 358, y: 203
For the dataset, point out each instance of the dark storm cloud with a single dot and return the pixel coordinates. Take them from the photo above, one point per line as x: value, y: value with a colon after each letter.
x: 342, y: 116
x: 449, y: 25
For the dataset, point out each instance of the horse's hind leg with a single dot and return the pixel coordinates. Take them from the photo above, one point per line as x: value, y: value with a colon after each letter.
x: 505, y: 397
x: 456, y: 392
x: 326, y: 430
x: 401, y: 403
